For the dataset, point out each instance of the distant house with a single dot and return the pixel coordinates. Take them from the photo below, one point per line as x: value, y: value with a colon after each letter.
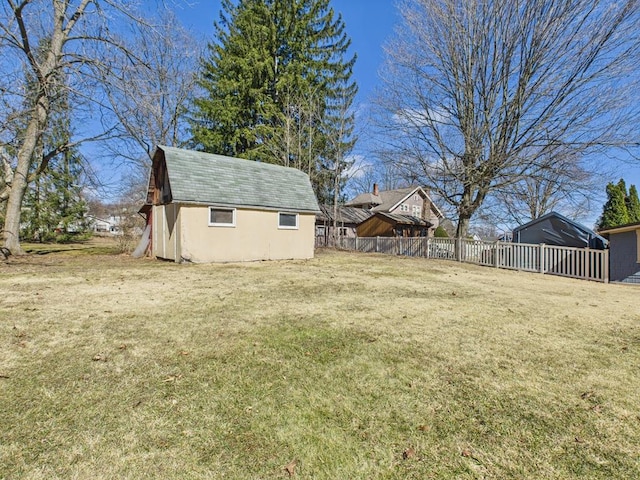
x: 213, y: 208
x: 624, y: 253
x: 401, y: 206
x: 347, y: 220
x: 111, y: 224
x: 558, y: 230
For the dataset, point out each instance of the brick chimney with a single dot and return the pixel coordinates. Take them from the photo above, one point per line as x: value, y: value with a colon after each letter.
x: 375, y: 189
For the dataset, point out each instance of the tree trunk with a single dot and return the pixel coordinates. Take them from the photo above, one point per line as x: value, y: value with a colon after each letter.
x: 463, y: 226
x: 461, y: 234
x: 11, y: 230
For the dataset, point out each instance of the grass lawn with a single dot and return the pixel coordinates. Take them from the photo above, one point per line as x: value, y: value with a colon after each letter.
x: 347, y: 366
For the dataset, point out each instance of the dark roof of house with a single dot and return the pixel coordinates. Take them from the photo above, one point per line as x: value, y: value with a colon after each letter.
x: 366, y: 198
x: 391, y: 198
x: 346, y: 215
x: 388, y: 199
x: 556, y: 229
x: 399, y: 219
x: 198, y: 177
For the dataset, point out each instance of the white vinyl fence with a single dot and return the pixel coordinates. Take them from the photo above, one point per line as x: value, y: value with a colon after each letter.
x: 582, y: 263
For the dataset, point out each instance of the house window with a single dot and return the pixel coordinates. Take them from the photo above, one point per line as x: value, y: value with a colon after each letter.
x: 417, y: 211
x: 343, y: 231
x: 288, y: 220
x: 222, y: 217
x: 404, y: 207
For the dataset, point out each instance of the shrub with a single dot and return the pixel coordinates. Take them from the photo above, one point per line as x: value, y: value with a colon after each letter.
x: 440, y: 232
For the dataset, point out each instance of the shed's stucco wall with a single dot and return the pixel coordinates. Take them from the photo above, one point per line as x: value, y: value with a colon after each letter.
x: 256, y: 236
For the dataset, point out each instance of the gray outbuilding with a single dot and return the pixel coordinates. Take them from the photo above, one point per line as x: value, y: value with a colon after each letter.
x: 624, y: 253
x: 558, y: 230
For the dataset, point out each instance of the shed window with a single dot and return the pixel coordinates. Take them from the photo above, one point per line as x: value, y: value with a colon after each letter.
x: 288, y: 220
x: 222, y: 217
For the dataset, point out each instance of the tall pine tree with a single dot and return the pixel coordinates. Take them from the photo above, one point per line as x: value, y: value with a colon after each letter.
x: 275, y: 83
x: 615, y: 211
x: 633, y: 205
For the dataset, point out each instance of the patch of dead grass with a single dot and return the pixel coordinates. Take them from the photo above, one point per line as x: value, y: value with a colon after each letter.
x: 340, y: 365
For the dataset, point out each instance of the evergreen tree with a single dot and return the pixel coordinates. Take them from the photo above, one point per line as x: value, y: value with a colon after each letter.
x: 615, y: 211
x: 53, y: 207
x: 633, y: 205
x: 275, y: 83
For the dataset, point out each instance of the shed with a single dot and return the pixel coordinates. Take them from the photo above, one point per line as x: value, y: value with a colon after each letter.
x: 624, y: 253
x: 382, y: 224
x: 558, y: 230
x: 214, y: 208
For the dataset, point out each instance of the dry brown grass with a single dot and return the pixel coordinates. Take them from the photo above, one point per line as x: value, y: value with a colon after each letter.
x: 344, y: 366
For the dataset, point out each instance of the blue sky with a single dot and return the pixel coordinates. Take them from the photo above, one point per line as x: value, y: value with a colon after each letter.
x: 369, y: 24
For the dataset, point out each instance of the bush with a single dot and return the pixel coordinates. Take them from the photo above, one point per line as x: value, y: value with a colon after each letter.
x: 440, y: 232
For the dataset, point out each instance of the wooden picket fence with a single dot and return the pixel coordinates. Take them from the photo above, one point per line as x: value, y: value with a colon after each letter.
x: 582, y: 263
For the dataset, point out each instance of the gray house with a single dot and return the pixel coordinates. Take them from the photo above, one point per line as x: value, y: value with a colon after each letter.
x: 624, y: 253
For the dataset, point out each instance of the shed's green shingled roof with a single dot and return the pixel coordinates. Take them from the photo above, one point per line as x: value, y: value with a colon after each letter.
x: 197, y: 177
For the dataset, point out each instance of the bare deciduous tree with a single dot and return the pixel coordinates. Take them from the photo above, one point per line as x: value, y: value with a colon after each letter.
x: 150, y: 97
x: 479, y: 94
x: 49, y: 48
x: 564, y: 184
x: 124, y: 79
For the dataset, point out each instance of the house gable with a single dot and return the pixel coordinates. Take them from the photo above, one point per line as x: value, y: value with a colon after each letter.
x: 391, y: 201
x: 159, y: 191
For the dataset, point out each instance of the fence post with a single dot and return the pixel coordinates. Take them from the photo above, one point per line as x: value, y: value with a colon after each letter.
x: 605, y: 265
x: 428, y: 243
x: 496, y: 253
x: 586, y: 267
x: 541, y: 264
x: 377, y: 249
x: 458, y: 249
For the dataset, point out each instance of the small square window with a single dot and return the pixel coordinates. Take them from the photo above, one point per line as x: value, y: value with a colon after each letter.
x: 222, y: 217
x: 288, y: 220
